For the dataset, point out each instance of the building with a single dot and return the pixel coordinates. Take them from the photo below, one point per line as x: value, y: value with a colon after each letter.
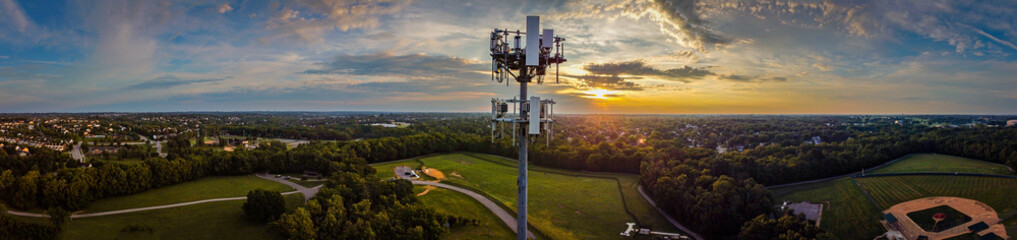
x: 1011, y: 123
x: 811, y: 211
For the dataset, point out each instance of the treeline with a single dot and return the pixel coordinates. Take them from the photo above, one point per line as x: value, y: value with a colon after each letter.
x: 324, y: 132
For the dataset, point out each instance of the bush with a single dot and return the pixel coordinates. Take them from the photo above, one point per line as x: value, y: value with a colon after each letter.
x: 264, y: 206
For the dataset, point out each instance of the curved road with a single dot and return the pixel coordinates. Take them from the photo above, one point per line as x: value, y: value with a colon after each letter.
x: 307, y: 192
x: 674, y: 222
x: 498, y: 211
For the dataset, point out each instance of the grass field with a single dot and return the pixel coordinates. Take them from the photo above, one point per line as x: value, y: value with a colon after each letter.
x: 457, y: 204
x: 562, y: 206
x: 943, y: 163
x: 998, y: 193
x: 204, y: 188
x: 629, y: 184
x: 216, y: 220
x: 846, y: 212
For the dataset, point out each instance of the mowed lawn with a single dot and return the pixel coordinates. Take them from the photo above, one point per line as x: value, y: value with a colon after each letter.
x: 847, y: 213
x: 562, y: 206
x: 646, y: 215
x: 200, y: 189
x: 216, y: 220
x: 926, y: 162
x: 458, y: 204
x: 998, y: 193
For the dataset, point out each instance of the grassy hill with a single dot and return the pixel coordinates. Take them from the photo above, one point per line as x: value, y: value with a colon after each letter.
x: 458, y: 204
x: 203, y: 188
x: 215, y: 220
x: 563, y: 204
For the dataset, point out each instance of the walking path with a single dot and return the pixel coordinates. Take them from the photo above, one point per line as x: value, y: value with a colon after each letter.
x: 674, y: 222
x: 498, y: 211
x: 307, y: 192
x: 114, y: 212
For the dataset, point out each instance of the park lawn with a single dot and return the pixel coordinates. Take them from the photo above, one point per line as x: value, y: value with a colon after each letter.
x: 926, y: 162
x: 645, y: 214
x: 847, y: 213
x: 998, y: 193
x: 561, y: 206
x: 200, y: 189
x: 458, y: 204
x: 215, y: 220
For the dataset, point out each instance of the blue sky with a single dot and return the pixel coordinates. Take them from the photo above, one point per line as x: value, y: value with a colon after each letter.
x: 640, y: 56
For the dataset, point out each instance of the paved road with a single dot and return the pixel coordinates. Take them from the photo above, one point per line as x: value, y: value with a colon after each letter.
x: 76, y: 153
x: 669, y: 218
x: 497, y: 210
x: 307, y: 192
x: 158, y: 145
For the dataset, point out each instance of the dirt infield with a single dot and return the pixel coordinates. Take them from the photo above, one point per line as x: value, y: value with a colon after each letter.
x: 978, y: 211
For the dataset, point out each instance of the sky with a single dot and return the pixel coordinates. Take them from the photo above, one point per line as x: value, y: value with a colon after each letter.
x: 624, y: 56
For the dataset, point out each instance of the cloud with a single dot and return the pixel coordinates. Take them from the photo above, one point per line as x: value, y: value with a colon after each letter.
x: 746, y: 79
x: 309, y: 20
x: 997, y: 40
x: 14, y: 17
x: 165, y: 82
x: 225, y: 7
x: 605, y: 82
x: 413, y: 65
x: 682, y: 74
x: 680, y: 20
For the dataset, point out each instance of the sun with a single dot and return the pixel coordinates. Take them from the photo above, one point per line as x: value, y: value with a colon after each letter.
x: 599, y: 93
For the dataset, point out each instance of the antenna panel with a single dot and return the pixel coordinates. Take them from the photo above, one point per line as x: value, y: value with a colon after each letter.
x: 535, y: 116
x: 548, y: 41
x: 532, y: 41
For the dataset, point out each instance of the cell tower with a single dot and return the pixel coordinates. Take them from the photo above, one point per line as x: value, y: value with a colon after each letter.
x: 529, y: 116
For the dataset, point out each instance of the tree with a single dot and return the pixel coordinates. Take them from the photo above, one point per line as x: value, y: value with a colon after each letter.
x: 264, y: 206
x: 58, y: 216
x: 786, y: 227
x: 296, y: 226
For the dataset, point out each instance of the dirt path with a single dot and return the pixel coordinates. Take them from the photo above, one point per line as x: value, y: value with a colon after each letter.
x: 427, y: 189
